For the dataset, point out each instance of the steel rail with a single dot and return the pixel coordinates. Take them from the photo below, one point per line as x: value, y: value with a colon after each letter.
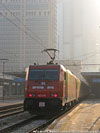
x: 11, y: 110
x: 32, y: 118
x: 18, y: 124
x: 43, y: 126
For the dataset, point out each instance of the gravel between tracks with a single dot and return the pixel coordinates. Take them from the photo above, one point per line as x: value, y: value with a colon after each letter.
x: 5, y: 122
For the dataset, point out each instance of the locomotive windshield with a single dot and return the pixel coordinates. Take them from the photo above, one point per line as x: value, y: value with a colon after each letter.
x: 39, y: 74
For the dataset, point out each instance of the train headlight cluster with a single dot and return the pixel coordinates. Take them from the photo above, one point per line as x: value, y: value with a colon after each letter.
x: 31, y: 95
x: 54, y: 95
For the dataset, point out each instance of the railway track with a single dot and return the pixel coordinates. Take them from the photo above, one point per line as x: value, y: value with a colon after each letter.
x: 11, y: 110
x: 43, y: 126
x: 34, y: 123
x: 19, y: 124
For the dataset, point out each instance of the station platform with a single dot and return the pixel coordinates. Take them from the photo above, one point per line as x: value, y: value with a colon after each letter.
x: 84, y: 118
x: 10, y: 102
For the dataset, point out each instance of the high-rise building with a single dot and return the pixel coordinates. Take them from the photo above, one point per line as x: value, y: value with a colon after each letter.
x: 72, y: 44
x: 26, y: 28
x: 82, y: 32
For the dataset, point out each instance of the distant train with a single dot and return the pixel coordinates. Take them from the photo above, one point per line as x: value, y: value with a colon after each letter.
x: 51, y: 87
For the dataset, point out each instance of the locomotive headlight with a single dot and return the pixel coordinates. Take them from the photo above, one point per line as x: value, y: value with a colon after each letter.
x: 54, y: 95
x: 31, y: 95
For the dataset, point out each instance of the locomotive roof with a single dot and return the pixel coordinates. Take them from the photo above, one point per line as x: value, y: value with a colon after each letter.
x: 66, y: 70
x: 45, y: 65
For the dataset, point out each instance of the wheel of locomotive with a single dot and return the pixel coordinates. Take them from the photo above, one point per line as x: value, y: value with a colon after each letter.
x: 68, y: 105
x: 73, y: 102
x: 65, y: 107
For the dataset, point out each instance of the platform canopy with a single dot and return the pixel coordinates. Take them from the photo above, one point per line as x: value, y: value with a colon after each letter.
x: 93, y: 78
x: 16, y: 74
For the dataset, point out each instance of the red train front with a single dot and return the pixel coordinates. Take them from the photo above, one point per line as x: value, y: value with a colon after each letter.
x: 43, y: 87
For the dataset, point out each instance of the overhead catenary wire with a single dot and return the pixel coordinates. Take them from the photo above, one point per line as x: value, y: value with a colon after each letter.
x: 7, y: 52
x: 20, y: 21
x: 89, y: 56
x: 36, y: 38
x: 82, y: 56
x: 24, y: 30
x: 20, y: 28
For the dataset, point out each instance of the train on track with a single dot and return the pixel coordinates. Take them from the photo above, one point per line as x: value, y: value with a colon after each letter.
x: 51, y: 87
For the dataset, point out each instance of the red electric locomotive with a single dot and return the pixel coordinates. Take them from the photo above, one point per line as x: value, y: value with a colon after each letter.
x: 50, y: 87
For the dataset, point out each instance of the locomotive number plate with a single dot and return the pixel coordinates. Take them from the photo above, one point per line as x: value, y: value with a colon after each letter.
x: 41, y: 104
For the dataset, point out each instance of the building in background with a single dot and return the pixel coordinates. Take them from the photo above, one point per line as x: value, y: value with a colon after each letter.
x: 26, y: 28
x: 60, y: 24
x: 81, y: 32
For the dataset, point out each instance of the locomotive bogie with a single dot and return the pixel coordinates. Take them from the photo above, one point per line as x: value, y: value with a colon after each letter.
x: 46, y: 104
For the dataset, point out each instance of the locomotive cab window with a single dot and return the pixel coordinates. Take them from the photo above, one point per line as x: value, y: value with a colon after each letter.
x: 51, y: 74
x: 36, y: 74
x: 40, y: 74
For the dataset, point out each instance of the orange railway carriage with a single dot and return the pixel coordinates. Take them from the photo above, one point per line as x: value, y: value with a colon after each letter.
x: 50, y: 87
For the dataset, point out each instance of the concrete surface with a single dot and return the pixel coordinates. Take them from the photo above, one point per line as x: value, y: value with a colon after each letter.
x: 85, y: 117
